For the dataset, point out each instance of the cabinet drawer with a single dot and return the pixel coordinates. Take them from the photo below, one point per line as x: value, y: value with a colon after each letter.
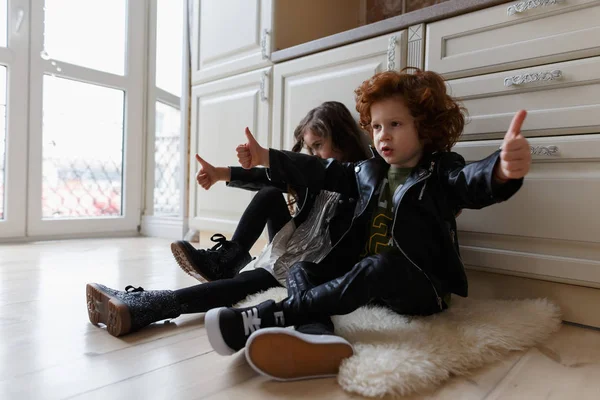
x: 550, y: 229
x: 562, y: 98
x: 559, y: 195
x: 491, y: 40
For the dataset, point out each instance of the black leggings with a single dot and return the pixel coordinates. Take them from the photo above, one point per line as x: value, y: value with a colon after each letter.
x: 268, y: 207
x: 224, y: 292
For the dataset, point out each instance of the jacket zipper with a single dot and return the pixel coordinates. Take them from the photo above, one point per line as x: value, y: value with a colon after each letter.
x: 347, y: 230
x: 438, y: 298
x: 422, y: 191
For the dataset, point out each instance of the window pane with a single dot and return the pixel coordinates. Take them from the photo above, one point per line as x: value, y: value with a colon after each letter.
x: 3, y: 22
x: 82, y: 150
x: 87, y: 33
x: 169, y: 45
x: 2, y: 137
x: 167, y: 161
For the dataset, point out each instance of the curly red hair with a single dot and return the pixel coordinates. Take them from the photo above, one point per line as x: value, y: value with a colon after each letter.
x: 439, y: 119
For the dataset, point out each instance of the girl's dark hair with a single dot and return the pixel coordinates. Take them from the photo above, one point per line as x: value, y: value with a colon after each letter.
x: 333, y: 120
x: 439, y: 118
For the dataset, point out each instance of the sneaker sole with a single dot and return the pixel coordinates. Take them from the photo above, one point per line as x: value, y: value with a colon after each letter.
x: 183, y: 260
x: 213, y: 331
x: 287, y: 355
x: 108, y: 310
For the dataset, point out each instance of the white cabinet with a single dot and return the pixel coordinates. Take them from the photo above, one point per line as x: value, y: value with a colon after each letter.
x: 229, y: 37
x: 494, y: 39
x: 550, y: 229
x: 542, y: 57
x: 302, y: 84
x: 220, y: 111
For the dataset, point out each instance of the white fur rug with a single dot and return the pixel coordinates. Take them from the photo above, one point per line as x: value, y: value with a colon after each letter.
x: 398, y: 355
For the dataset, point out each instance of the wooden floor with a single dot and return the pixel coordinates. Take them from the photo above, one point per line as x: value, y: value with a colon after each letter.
x: 49, y: 350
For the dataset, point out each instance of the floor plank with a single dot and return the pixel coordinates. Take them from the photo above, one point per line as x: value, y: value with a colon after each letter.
x: 49, y: 350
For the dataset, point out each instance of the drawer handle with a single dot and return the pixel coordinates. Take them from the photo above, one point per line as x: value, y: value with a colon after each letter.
x: 544, y: 150
x: 543, y: 76
x: 19, y: 22
x: 525, y: 5
x: 263, y: 44
x: 391, y: 53
x: 263, y: 83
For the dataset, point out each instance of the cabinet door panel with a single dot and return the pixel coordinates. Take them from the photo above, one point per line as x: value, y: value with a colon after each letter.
x: 220, y: 112
x: 229, y: 37
x: 300, y: 85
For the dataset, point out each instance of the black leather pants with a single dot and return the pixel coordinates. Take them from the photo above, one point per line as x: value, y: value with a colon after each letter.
x: 375, y: 280
x: 299, y: 282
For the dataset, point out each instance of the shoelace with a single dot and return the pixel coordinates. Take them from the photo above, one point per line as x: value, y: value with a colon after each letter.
x: 220, y: 241
x: 131, y: 289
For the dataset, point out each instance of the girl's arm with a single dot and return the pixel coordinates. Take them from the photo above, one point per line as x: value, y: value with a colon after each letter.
x: 301, y: 170
x: 250, y: 179
x: 298, y: 170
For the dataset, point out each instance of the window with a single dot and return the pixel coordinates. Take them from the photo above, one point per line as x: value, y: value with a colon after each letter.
x: 168, y: 56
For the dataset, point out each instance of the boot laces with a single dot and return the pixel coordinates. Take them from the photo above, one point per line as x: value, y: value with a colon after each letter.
x: 131, y: 289
x: 220, y: 241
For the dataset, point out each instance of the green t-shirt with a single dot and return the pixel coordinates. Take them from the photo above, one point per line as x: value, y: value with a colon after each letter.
x: 380, y: 228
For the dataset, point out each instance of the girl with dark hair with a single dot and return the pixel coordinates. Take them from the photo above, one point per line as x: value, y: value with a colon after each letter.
x: 327, y: 131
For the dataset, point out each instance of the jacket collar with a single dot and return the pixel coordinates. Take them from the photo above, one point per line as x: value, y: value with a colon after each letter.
x: 369, y: 174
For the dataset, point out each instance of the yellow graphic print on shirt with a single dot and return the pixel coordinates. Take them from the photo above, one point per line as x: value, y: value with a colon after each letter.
x: 380, y: 229
x: 379, y: 238
x: 381, y: 223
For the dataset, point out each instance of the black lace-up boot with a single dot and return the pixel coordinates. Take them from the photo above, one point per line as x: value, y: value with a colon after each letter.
x: 224, y: 260
x: 127, y: 311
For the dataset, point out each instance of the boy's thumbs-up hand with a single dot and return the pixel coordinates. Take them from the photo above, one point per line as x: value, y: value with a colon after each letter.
x: 515, y: 158
x: 251, y: 153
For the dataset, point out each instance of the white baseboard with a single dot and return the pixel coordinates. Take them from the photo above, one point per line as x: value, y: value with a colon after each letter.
x: 579, y: 304
x: 214, y: 225
x: 163, y: 227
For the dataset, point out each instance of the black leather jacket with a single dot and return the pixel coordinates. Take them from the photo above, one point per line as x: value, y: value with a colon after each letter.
x: 424, y: 226
x: 255, y: 179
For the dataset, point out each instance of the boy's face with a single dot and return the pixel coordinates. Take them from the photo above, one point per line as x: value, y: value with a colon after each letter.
x: 394, y: 133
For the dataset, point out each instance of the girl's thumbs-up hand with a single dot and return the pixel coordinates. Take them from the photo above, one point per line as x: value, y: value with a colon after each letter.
x: 207, y: 174
x: 251, y: 153
x: 515, y: 158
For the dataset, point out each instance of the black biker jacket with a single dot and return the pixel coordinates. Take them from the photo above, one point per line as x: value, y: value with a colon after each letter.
x: 424, y: 226
x: 254, y: 179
